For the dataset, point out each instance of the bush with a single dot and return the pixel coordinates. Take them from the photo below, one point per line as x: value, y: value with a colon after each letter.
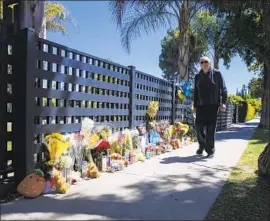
x: 242, y: 111
x: 247, y: 107
x: 246, y: 112
x: 235, y: 99
x: 250, y: 112
x: 257, y: 104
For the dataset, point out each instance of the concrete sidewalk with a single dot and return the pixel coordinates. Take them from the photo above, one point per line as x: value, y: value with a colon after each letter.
x: 174, y: 186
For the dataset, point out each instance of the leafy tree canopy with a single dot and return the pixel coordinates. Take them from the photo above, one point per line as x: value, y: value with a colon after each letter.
x: 255, y: 87
x: 168, y: 60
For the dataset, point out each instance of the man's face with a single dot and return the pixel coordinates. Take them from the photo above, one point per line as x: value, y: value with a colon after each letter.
x: 205, y: 65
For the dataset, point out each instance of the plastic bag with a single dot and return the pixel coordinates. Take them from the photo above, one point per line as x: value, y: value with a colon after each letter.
x: 154, y: 137
x: 141, y: 143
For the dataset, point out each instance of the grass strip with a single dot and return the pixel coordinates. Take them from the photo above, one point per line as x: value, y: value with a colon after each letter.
x: 245, y: 196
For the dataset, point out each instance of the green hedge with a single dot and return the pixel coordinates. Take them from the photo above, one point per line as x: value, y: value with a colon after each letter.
x: 250, y: 112
x: 246, y: 112
x: 247, y: 108
x: 242, y: 111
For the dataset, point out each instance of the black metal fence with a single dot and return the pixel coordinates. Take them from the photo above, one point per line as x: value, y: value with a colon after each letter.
x: 7, y: 106
x: 47, y: 87
x: 225, y: 119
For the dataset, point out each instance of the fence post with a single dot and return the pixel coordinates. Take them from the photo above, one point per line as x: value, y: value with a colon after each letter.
x: 132, y: 97
x: 24, y: 68
x: 173, y: 103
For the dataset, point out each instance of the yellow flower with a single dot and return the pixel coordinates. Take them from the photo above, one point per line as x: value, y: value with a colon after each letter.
x: 56, y: 145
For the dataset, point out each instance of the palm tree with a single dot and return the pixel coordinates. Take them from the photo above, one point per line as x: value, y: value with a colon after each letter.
x: 55, y: 17
x: 134, y: 17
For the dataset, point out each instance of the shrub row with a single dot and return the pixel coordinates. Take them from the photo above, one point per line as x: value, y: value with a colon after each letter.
x: 247, y: 108
x: 246, y: 112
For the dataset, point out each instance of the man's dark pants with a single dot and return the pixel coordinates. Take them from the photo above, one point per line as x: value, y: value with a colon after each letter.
x: 206, y: 120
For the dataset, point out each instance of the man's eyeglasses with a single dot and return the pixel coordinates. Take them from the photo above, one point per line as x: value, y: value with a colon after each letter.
x: 204, y: 62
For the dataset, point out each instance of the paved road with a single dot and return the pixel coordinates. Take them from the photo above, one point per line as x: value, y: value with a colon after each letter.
x: 175, y: 186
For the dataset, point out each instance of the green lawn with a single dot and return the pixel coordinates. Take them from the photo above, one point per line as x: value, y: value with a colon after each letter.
x: 244, y: 196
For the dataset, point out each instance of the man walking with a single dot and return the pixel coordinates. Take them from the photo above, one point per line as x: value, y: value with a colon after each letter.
x: 210, y: 96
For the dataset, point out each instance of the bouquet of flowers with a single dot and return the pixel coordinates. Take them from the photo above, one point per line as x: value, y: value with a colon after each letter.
x: 56, y: 145
x: 104, y: 133
x: 79, y: 143
x: 142, y: 130
x: 179, y: 133
x: 126, y: 139
x: 87, y: 126
x: 103, y: 146
x: 152, y: 109
x: 135, y: 136
x: 161, y: 127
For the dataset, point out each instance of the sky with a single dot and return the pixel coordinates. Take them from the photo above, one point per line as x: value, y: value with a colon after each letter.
x: 97, y: 34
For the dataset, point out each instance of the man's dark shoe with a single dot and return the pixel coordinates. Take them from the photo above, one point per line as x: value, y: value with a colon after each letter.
x: 211, y: 153
x: 199, y: 151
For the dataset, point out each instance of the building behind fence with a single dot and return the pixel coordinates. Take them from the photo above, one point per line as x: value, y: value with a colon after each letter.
x: 47, y: 87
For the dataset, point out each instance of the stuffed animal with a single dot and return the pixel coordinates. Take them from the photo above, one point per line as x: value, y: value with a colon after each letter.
x: 93, y: 171
x: 60, y: 183
x: 32, y: 185
x: 116, y: 156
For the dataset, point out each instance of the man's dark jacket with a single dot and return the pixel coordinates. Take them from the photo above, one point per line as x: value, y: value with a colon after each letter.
x: 209, y: 89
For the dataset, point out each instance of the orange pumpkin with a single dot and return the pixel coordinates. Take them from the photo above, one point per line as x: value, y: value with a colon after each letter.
x: 32, y: 185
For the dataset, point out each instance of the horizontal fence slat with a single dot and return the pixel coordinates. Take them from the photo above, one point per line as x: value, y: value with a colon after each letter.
x: 67, y: 95
x: 155, y: 85
x: 68, y: 49
x: 160, y: 113
x: 53, y: 76
x: 44, y: 56
x: 146, y: 103
x: 61, y: 111
x: 70, y: 128
x: 153, y: 94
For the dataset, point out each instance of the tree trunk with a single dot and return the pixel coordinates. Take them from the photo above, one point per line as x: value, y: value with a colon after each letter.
x: 263, y: 162
x: 265, y: 112
x: 39, y: 21
x: 184, y: 41
x: 216, y: 61
x: 43, y: 32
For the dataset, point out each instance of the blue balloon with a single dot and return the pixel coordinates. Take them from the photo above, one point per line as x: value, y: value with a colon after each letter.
x: 186, y: 88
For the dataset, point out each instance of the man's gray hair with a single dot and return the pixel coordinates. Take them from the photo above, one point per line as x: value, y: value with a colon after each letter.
x: 205, y: 58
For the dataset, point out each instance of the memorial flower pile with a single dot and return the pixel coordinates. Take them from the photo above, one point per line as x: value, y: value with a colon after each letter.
x: 80, y: 156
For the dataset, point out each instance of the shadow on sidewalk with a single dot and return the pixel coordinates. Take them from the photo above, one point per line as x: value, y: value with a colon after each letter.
x: 162, y: 198
x: 180, y: 159
x: 157, y: 199
x: 237, y: 133
x: 240, y: 132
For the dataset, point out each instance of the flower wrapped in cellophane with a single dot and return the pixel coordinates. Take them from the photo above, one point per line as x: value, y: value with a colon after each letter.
x: 152, y: 109
x: 87, y: 127
x: 126, y: 140
x: 78, y: 144
x: 184, y: 127
x: 57, y: 145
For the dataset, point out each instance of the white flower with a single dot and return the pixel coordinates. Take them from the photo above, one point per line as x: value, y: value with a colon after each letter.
x: 87, y: 124
x: 68, y: 162
x: 134, y: 133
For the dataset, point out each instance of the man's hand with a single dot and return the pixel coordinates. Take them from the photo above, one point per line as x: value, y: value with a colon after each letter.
x: 222, y: 107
